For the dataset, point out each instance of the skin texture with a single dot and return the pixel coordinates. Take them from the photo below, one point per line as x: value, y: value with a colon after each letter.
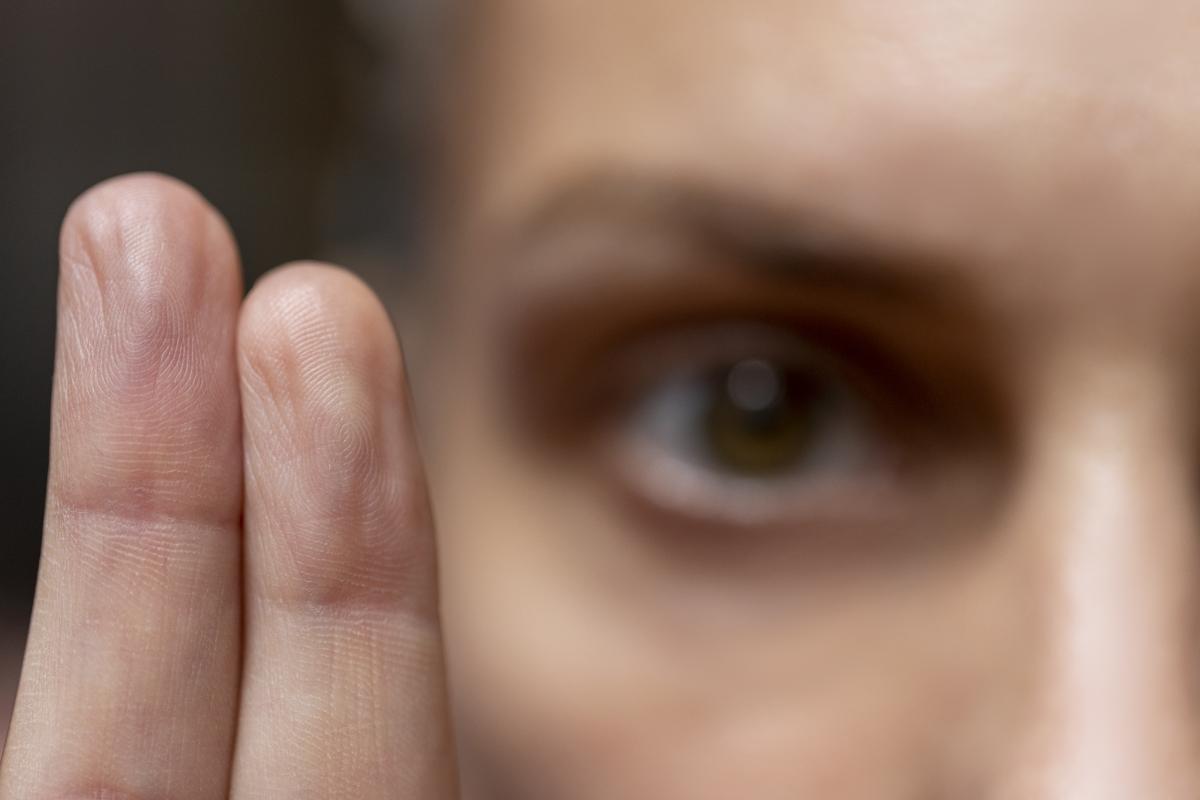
x: 1025, y: 174
x: 979, y: 217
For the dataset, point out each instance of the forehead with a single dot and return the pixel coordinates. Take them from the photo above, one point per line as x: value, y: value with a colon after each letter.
x: 927, y: 115
x: 1046, y: 151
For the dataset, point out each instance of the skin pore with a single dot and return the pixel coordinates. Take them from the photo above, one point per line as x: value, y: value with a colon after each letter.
x: 811, y: 414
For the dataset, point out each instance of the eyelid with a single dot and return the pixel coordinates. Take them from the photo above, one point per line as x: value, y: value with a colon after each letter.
x: 686, y: 348
x: 667, y: 486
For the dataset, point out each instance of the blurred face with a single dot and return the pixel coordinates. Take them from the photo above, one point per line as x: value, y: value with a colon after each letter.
x: 819, y: 400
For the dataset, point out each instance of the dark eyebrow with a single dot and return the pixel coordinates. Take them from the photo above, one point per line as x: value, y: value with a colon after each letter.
x: 809, y: 246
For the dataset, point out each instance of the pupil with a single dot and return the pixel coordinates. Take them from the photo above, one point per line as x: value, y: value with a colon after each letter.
x: 761, y: 419
x: 754, y: 385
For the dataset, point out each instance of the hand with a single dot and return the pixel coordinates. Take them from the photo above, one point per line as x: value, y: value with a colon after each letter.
x: 237, y: 592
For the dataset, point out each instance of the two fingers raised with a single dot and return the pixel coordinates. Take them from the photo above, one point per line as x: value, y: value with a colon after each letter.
x: 237, y: 592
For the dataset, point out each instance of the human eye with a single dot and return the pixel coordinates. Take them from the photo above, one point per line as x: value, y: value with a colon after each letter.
x: 700, y: 399
x: 750, y: 424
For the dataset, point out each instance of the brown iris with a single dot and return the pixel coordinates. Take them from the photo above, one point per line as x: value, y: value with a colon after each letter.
x: 763, y: 419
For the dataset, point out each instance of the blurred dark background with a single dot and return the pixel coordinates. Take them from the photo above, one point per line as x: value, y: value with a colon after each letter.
x: 291, y: 116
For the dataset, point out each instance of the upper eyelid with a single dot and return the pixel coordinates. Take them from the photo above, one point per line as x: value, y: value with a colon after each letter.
x: 594, y: 289
x: 886, y: 390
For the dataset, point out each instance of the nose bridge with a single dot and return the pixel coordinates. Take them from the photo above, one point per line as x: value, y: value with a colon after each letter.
x: 1106, y: 516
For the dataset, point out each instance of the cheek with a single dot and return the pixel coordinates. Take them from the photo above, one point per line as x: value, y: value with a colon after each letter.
x: 587, y: 665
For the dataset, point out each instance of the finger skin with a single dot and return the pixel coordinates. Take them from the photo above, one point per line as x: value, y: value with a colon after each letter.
x: 343, y: 692
x: 130, y: 677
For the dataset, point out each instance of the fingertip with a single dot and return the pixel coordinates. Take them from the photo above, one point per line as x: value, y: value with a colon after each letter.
x: 148, y: 296
x: 152, y: 186
x: 144, y: 229
x: 310, y: 312
x: 319, y: 285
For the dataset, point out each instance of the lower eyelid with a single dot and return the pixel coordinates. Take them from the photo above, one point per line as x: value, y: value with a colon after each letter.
x: 673, y: 486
